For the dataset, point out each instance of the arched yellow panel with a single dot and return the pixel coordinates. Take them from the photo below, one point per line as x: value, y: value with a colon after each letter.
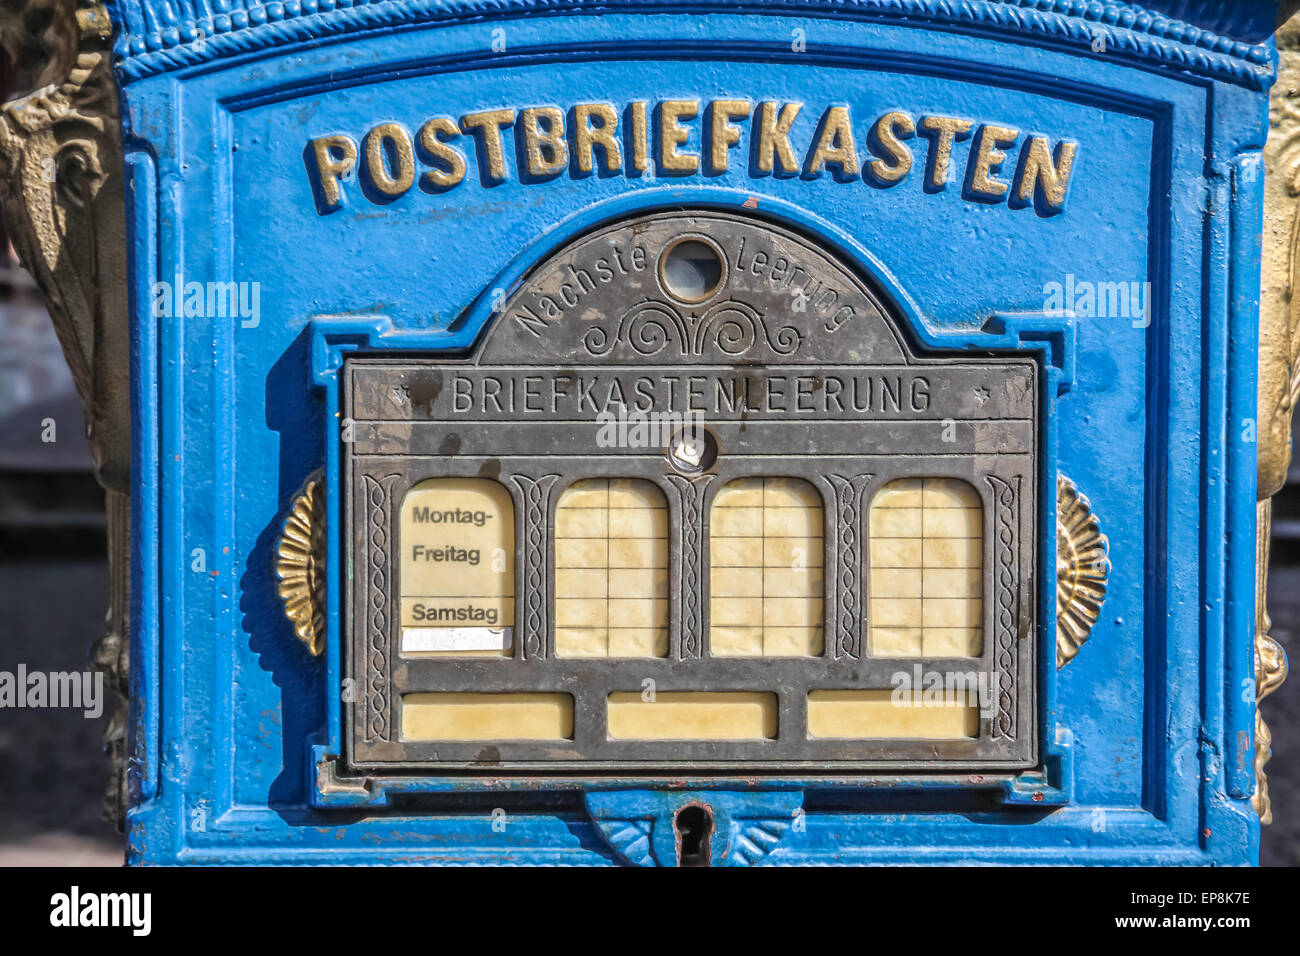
x: 765, y: 577
x: 611, y: 569
x: 457, y: 569
x: 926, y: 558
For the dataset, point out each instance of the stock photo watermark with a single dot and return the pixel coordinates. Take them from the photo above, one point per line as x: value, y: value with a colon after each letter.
x: 180, y: 298
x: 23, y: 689
x: 1089, y: 299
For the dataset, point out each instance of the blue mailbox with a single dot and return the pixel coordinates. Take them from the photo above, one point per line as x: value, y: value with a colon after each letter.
x: 693, y: 433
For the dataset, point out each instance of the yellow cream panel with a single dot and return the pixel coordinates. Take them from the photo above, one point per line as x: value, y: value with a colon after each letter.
x: 925, y: 567
x: 765, y: 580
x: 693, y: 715
x: 457, y: 567
x: 611, y: 569
x: 874, y: 714
x: 468, y: 716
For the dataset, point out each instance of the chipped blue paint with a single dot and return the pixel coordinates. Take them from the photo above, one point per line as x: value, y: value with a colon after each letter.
x: 1145, y: 743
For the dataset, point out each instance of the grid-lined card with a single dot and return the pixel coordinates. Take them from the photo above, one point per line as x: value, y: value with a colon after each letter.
x: 926, y: 569
x: 611, y: 569
x: 765, y: 581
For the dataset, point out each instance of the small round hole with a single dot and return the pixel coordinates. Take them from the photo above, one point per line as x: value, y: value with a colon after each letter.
x: 692, y: 450
x: 691, y: 270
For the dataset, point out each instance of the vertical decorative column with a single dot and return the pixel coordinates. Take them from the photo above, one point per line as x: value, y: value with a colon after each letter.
x: 850, y: 620
x: 379, y: 612
x: 690, y: 552
x: 535, y: 603
x: 1006, y: 598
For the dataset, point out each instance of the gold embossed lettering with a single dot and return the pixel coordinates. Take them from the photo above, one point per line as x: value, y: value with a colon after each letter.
x: 943, y: 132
x: 640, y: 138
x: 834, y: 144
x: 724, y: 134
x: 336, y: 158
x: 895, y: 160
x: 673, y: 134
x: 989, y: 156
x: 1050, y: 176
x: 390, y: 143
x: 774, y: 136
x: 486, y: 127
x: 585, y: 138
x: 452, y: 170
x: 544, y: 152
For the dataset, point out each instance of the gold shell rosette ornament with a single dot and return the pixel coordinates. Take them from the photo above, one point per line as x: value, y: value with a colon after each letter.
x: 1082, y: 567
x: 300, y: 564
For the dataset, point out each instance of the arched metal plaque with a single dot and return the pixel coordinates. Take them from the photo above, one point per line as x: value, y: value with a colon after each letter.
x: 693, y: 355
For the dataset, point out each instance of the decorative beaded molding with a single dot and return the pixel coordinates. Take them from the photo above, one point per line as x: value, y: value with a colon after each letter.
x: 378, y: 497
x: 162, y: 35
x: 690, y: 539
x: 850, y: 621
x: 1006, y: 532
x: 536, y: 493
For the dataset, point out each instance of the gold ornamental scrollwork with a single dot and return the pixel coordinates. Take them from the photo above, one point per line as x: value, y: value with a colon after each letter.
x: 1082, y: 567
x: 300, y: 564
x: 61, y: 199
x: 1279, y: 358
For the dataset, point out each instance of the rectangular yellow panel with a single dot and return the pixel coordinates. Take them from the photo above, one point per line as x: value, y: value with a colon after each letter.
x: 611, y: 569
x: 765, y: 569
x: 737, y: 641
x: 581, y: 641
x: 457, y: 569
x: 952, y: 642
x: 953, y: 553
x: 693, y: 715
x: 736, y: 612
x: 638, y: 553
x: 896, y: 641
x: 897, y: 582
x: 581, y: 553
x: 737, y: 552
x: 792, y: 641
x: 925, y: 569
x: 799, y: 582
x: 463, y: 716
x: 638, y: 642
x: 736, y: 583
x: 795, y: 522
x: 731, y: 522
x: 874, y: 715
x: 904, y: 553
x: 638, y: 583
x: 581, y: 612
x: 792, y: 552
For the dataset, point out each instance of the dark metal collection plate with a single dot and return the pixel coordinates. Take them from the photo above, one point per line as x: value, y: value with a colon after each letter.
x: 797, y: 370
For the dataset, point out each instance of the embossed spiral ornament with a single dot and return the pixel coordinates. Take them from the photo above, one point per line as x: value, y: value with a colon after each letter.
x: 1082, y: 567
x: 731, y: 327
x: 300, y: 565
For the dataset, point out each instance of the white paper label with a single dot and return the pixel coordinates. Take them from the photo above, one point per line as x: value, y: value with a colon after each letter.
x: 416, y: 640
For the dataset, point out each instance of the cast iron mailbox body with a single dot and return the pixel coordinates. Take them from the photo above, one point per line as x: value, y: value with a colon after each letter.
x: 1005, y: 252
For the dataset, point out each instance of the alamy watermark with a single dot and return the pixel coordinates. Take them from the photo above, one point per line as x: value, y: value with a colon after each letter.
x: 928, y: 688
x: 75, y: 909
x: 211, y: 300
x: 626, y: 428
x: 77, y: 690
x: 1086, y: 299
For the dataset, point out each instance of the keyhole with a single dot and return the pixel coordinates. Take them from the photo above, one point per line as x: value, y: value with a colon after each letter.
x: 694, y: 825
